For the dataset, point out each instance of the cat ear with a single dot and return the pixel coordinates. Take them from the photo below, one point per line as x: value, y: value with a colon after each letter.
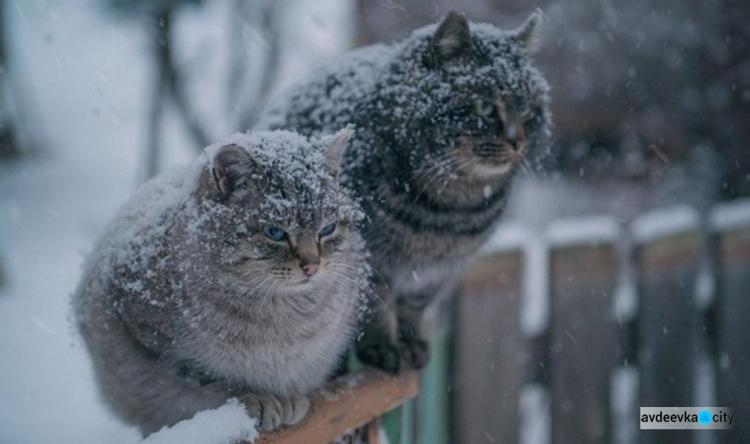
x: 528, y: 33
x: 335, y: 146
x: 230, y: 168
x: 452, y: 37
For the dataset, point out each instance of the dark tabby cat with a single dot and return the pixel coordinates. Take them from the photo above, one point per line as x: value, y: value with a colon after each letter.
x: 444, y: 120
x: 237, y: 277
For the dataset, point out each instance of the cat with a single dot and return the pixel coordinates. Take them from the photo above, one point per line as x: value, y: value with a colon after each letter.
x: 240, y: 276
x: 444, y: 120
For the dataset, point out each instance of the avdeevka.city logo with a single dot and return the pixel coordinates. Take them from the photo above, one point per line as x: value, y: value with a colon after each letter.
x: 686, y: 418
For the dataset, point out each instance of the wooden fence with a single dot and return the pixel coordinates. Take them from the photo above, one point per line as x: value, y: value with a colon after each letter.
x: 560, y: 336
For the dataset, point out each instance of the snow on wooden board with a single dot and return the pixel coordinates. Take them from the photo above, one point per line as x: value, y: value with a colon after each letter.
x: 731, y: 215
x: 534, y: 316
x: 587, y: 230
x: 507, y: 237
x: 665, y: 222
x: 228, y: 424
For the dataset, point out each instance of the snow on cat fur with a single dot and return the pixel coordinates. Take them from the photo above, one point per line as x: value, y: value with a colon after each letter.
x: 185, y: 303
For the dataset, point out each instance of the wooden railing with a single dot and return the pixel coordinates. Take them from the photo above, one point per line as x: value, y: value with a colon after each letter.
x: 352, y: 402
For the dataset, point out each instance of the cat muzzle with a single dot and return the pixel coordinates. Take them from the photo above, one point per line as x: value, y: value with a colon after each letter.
x: 310, y: 269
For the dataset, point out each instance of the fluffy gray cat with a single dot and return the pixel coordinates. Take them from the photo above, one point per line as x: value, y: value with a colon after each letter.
x: 444, y: 120
x: 240, y: 276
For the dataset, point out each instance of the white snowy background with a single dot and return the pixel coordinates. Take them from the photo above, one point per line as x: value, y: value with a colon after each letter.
x: 87, y: 76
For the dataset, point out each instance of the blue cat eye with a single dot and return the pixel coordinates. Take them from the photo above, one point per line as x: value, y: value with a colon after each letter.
x: 484, y: 108
x: 327, y: 230
x: 274, y: 233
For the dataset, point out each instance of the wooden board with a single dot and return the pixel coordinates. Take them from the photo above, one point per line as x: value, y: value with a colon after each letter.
x: 669, y: 329
x: 733, y: 332
x: 491, y: 360
x: 584, y: 342
x: 347, y: 404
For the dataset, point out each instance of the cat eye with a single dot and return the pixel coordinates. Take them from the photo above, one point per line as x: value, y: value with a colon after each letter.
x: 484, y: 108
x: 527, y: 115
x: 327, y: 230
x: 274, y: 233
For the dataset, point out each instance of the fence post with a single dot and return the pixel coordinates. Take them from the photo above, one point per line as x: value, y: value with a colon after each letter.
x: 584, y: 340
x: 490, y: 356
x: 669, y: 323
x: 731, y: 225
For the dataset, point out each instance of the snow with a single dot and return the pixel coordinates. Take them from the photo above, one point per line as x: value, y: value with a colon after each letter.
x: 383, y: 81
x: 731, y: 215
x: 227, y: 424
x: 507, y: 237
x: 292, y: 158
x: 705, y: 379
x: 535, y: 415
x: 624, y: 404
x: 625, y: 302
x: 536, y: 245
x: 587, y: 230
x: 535, y: 304
x: 665, y: 222
x: 705, y: 285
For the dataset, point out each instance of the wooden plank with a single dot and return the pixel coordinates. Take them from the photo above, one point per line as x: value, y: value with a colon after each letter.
x: 733, y: 315
x: 491, y: 361
x: 347, y: 404
x: 669, y: 327
x: 584, y: 341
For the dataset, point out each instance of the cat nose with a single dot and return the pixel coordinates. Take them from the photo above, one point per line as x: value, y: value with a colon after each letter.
x: 515, y: 136
x: 511, y: 134
x: 310, y: 269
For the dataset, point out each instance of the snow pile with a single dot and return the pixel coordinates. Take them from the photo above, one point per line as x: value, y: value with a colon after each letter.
x: 227, y: 424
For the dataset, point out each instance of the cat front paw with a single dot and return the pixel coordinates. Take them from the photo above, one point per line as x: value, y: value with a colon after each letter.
x: 273, y: 411
x: 383, y: 356
x: 295, y: 408
x: 409, y: 353
x: 415, y: 352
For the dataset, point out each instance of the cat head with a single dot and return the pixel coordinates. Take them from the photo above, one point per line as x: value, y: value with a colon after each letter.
x: 274, y: 208
x: 480, y: 106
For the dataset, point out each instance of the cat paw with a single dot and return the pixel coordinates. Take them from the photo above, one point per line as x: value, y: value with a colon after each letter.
x: 415, y: 352
x: 273, y: 411
x: 295, y: 408
x: 386, y: 357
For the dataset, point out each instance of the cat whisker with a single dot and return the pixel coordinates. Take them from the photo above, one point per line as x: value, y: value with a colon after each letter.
x: 528, y: 168
x: 355, y: 280
x: 432, y: 180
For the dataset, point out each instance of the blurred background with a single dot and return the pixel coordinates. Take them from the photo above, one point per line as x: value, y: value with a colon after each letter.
x: 651, y: 104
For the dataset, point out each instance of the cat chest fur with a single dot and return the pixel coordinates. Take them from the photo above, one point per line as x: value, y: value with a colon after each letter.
x: 265, y: 356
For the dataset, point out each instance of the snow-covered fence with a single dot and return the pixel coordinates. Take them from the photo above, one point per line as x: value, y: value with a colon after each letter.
x: 561, y: 336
